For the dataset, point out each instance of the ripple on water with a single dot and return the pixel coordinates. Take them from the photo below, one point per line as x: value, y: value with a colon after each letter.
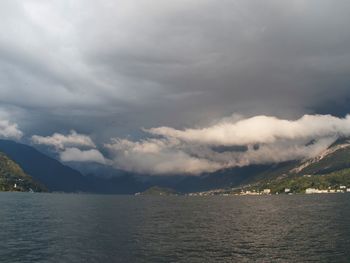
x: 96, y: 228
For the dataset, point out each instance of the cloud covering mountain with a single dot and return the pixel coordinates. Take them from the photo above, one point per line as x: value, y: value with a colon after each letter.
x: 194, y: 151
x: 231, y: 142
x: 77, y: 155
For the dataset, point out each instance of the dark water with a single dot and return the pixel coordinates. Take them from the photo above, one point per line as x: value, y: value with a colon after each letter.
x: 93, y: 228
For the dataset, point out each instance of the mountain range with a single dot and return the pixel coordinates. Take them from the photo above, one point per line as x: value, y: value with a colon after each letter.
x: 58, y: 177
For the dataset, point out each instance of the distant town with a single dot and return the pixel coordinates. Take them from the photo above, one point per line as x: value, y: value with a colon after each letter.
x: 267, y: 191
x: 160, y: 191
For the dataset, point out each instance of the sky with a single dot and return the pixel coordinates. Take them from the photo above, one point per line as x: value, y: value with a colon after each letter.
x: 154, y: 86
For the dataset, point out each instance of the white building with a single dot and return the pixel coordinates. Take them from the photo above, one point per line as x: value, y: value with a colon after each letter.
x: 310, y: 191
x: 315, y: 191
x: 267, y: 191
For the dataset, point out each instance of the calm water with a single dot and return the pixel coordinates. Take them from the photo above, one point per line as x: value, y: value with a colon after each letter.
x: 94, y: 228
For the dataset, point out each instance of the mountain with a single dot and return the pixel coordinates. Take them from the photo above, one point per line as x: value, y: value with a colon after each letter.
x: 12, y: 177
x: 224, y: 178
x: 335, y: 158
x: 54, y: 175
x: 331, y: 168
x: 95, y: 169
x: 59, y: 177
x: 156, y: 190
x: 62, y: 178
x: 338, y: 180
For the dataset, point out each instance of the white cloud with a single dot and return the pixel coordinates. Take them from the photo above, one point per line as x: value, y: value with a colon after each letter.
x: 157, y: 157
x: 260, y: 129
x: 9, y: 130
x: 77, y: 155
x: 61, y: 141
x: 68, y: 147
x: 193, y: 151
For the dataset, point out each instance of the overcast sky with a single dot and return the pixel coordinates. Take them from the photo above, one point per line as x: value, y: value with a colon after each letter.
x: 107, y: 68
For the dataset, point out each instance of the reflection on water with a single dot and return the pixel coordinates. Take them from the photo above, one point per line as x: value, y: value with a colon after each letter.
x: 95, y: 228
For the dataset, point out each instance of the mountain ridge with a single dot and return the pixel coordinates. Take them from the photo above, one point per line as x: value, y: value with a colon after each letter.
x: 58, y: 177
x: 13, y: 178
x: 325, y: 168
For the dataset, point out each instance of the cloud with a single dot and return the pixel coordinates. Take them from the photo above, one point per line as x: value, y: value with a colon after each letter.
x: 61, y: 141
x: 195, y: 151
x: 77, y: 155
x: 68, y: 147
x: 183, y: 62
x: 154, y: 156
x: 9, y: 130
x: 261, y: 129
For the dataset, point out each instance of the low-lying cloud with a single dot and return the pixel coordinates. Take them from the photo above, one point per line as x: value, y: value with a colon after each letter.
x: 73, y: 147
x: 61, y: 141
x: 193, y: 151
x: 9, y: 130
x: 157, y: 156
x: 77, y: 155
x: 260, y: 129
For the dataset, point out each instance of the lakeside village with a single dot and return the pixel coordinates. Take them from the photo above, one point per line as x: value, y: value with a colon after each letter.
x: 335, y: 182
x: 267, y: 191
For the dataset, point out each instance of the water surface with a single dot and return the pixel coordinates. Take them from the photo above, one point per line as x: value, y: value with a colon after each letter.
x: 98, y: 228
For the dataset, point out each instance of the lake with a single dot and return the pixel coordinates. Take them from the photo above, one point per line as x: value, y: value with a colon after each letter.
x: 110, y: 228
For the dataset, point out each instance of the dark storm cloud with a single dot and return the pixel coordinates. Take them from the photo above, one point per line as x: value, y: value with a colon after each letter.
x: 107, y: 68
